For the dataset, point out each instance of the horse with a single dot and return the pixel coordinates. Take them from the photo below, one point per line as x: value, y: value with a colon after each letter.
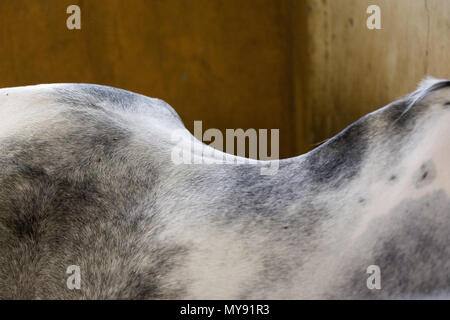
x: 87, y: 179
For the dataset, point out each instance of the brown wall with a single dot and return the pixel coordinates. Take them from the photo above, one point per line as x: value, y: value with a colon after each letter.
x: 347, y: 70
x: 225, y: 62
x: 307, y: 67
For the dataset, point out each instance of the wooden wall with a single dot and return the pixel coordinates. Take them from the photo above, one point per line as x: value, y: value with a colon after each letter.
x: 346, y: 70
x: 307, y: 67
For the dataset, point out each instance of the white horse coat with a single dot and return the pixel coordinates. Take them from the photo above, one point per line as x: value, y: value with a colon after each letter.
x: 87, y: 179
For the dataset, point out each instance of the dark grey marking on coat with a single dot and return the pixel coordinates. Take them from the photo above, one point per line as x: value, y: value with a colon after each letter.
x: 393, y: 179
x: 422, y: 93
x: 60, y: 206
x: 93, y: 96
x: 425, y: 174
x: 417, y: 96
x: 404, y: 112
x: 410, y: 247
x: 399, y: 120
x: 334, y: 162
x: 251, y: 204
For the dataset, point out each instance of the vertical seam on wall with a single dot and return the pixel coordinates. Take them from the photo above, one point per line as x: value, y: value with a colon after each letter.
x: 427, y: 51
x: 292, y: 82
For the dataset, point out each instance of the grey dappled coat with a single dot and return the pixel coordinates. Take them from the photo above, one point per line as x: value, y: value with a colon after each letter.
x: 87, y: 178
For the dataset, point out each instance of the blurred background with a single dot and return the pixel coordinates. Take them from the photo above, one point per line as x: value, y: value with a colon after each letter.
x: 306, y: 67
